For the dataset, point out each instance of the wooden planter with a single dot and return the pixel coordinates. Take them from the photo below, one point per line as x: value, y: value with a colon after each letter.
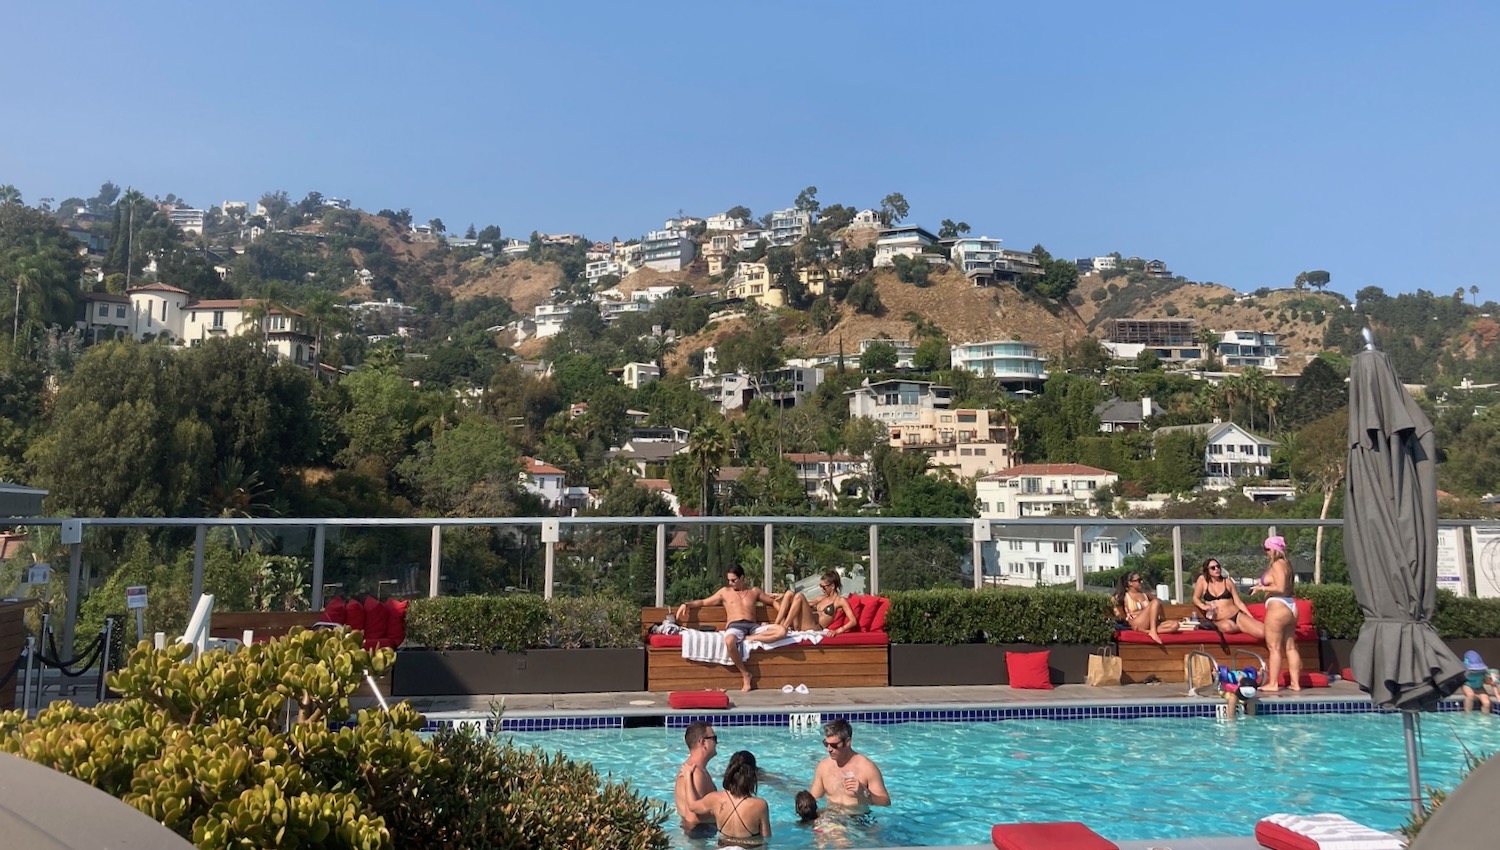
x: 12, y: 641
x: 923, y: 664
x: 421, y: 672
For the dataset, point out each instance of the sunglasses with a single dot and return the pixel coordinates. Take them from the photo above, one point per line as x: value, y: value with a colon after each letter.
x: 710, y: 737
x: 1134, y: 578
x: 833, y: 745
x: 1215, y: 567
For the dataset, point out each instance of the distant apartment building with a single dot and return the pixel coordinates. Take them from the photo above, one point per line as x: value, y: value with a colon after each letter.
x: 337, y: 203
x: 592, y: 272
x: 1155, y: 268
x: 549, y: 318
x: 975, y: 257
x: 1033, y: 556
x: 788, y: 386
x: 1042, y: 489
x: 668, y: 250
x: 561, y: 239
x: 789, y: 225
x: 966, y: 442
x: 390, y: 309
x: 1230, y: 452
x: 1244, y: 349
x: 187, y: 218
x: 897, y: 401
x: 1171, y: 340
x: 906, y: 241
x: 725, y: 222
x: 636, y: 375
x: 752, y: 283
x: 1011, y: 265
x: 235, y: 208
x: 685, y: 222
x: 1010, y: 361
x: 748, y: 239
x: 1091, y: 265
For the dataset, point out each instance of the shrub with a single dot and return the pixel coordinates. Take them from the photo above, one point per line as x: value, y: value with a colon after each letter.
x: 1011, y: 615
x: 516, y: 622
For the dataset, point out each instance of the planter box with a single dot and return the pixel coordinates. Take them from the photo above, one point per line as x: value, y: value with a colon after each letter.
x: 420, y: 672
x: 922, y: 664
x: 1335, y: 653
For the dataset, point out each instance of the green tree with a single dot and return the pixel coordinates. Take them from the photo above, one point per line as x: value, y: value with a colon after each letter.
x: 379, y: 417
x: 807, y: 200
x: 470, y: 469
x: 10, y: 195
x: 933, y: 354
x: 1319, y: 390
x: 1178, y: 461
x: 708, y: 449
x: 1320, y: 462
x: 864, y: 297
x: 878, y: 357
x: 893, y: 208
x: 951, y: 229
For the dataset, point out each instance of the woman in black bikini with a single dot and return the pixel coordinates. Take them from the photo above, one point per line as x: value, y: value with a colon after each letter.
x: 1218, y: 603
x: 797, y: 614
x: 743, y: 818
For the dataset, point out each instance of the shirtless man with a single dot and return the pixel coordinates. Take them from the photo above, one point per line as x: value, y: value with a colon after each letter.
x: 739, y: 603
x: 693, y: 780
x: 847, y: 778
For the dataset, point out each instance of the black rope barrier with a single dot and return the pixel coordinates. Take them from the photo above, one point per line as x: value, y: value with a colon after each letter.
x: 12, y: 673
x: 89, y: 655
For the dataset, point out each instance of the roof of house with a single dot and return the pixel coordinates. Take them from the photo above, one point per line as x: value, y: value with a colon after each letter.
x: 1120, y: 410
x: 650, y: 451
x: 237, y: 304
x: 655, y: 485
x: 1045, y: 469
x: 156, y: 287
x: 1018, y: 531
x: 540, y: 467
x: 1213, y: 430
x: 730, y: 473
x: 819, y: 457
x: 106, y: 296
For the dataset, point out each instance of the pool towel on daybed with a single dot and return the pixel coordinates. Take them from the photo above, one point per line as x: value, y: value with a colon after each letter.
x: 1321, y: 832
x: 709, y: 646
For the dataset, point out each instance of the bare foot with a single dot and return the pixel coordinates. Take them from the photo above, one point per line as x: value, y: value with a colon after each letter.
x: 1270, y: 690
x: 749, y: 686
x: 1294, y: 687
x: 1156, y: 637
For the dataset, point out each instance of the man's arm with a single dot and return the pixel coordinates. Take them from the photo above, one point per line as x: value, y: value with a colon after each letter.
x: 875, y: 788
x: 682, y: 795
x: 817, y: 783
x: 698, y: 603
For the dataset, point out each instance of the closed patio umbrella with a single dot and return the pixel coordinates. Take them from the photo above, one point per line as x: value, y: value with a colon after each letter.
x: 41, y: 809
x: 1390, y: 544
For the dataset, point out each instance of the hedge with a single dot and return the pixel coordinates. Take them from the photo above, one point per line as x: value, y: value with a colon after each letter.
x: 1457, y: 618
x: 995, y: 615
x: 516, y: 622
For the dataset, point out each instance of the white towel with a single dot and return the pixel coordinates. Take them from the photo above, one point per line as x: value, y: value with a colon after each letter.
x: 791, y: 638
x: 1336, y: 832
x: 707, y: 646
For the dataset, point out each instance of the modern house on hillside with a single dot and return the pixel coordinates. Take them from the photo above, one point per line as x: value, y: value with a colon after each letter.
x: 789, y: 225
x: 161, y: 311
x: 1231, y: 452
x: 1244, y: 349
x: 1042, y: 489
x: 1171, y: 340
x: 1012, y: 362
x: 668, y: 250
x: 966, y: 442
x: 905, y: 241
x: 896, y: 401
x: 1118, y: 415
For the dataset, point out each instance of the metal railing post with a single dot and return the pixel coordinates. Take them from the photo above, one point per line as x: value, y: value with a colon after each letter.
x: 75, y: 573
x: 435, y: 560
x: 1078, y: 557
x: 661, y: 564
x: 977, y: 553
x: 770, y: 559
x: 547, y: 570
x: 1176, y: 563
x: 200, y: 543
x: 320, y: 538
x: 874, y: 560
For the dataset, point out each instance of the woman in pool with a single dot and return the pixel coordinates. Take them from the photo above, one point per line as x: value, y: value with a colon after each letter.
x: 1219, y: 603
x: 1139, y: 609
x: 743, y: 818
x: 1281, y: 618
x: 797, y: 614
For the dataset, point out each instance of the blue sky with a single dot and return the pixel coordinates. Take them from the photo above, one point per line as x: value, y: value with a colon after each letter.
x: 1241, y: 143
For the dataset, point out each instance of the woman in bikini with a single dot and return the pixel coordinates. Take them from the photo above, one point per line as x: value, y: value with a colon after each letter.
x: 797, y: 614
x: 1219, y: 604
x: 1281, y: 618
x: 1140, y: 610
x: 743, y: 818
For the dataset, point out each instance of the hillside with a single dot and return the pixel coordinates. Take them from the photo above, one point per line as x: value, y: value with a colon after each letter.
x: 524, y: 283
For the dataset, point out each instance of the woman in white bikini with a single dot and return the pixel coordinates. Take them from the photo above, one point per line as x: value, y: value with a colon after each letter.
x: 1281, y: 618
x: 1140, y: 610
x: 1216, y: 598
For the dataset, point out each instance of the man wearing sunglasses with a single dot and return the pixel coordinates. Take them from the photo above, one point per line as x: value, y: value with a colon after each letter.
x: 847, y: 778
x: 693, y: 780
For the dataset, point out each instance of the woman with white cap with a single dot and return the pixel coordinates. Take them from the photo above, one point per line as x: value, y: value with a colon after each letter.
x: 1281, y: 618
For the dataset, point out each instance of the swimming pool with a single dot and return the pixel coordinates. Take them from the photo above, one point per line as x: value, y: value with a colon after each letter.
x: 1127, y: 779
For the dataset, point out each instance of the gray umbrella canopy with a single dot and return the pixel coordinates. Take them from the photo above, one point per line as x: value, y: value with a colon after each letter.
x: 1467, y: 815
x: 41, y: 809
x: 1390, y: 542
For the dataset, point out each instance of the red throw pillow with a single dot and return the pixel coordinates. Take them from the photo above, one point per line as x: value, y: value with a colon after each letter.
x: 839, y: 619
x: 354, y: 615
x: 395, y: 627
x: 698, y: 699
x: 1029, y: 670
x: 335, y: 612
x: 882, y: 607
x: 869, y: 606
x: 376, y: 620
x: 1257, y: 610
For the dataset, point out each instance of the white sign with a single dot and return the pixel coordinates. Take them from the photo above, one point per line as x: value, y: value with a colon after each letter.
x: 72, y: 531
x: 1484, y: 543
x: 135, y: 597
x: 39, y: 573
x: 1451, y: 574
x: 551, y: 531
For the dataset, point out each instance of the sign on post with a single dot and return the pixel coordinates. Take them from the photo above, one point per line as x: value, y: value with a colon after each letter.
x: 39, y: 573
x: 135, y: 600
x: 1451, y: 574
x: 551, y: 531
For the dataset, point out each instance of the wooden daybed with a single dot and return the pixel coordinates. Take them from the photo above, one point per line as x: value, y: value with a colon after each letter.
x: 855, y: 659
x: 1141, y: 657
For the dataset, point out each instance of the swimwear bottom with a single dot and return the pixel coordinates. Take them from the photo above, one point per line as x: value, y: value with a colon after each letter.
x: 1289, y: 601
x: 743, y: 628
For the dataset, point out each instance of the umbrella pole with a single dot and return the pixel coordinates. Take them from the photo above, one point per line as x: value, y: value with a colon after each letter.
x: 1409, y: 723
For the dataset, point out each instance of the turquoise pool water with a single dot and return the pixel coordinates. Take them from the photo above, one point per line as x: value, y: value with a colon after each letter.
x: 1126, y: 779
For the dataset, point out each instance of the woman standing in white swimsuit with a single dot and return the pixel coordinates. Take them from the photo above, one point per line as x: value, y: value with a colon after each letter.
x: 1281, y: 618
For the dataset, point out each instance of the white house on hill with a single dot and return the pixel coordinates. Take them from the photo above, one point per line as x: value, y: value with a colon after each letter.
x: 1041, y: 489
x: 164, y: 312
x: 1232, y: 452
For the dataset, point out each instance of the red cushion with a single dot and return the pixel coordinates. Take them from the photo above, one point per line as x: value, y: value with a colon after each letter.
x: 1028, y: 670
x: 698, y: 699
x: 839, y: 619
x: 376, y: 621
x: 882, y: 607
x: 395, y: 629
x: 1068, y: 835
x: 355, y: 616
x: 335, y: 611
x: 1207, y: 637
x: 1335, y: 830
x: 868, y: 605
x: 1306, y: 680
x: 845, y: 639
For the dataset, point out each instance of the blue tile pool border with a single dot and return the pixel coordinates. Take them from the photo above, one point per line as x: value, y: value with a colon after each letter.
x: 1063, y: 713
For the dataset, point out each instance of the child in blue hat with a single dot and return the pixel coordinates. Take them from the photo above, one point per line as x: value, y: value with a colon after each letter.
x: 1479, y: 682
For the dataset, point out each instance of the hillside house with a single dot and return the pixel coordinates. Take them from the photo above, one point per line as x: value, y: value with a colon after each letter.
x: 1118, y: 415
x: 648, y: 458
x: 1042, y: 489
x: 549, y: 319
x: 906, y: 350
x: 637, y: 375
x: 1022, y: 556
x: 1246, y: 349
x: 105, y: 316
x: 668, y: 250
x: 1231, y: 452
x: 826, y: 477
x: 1012, y: 362
x: 906, y: 241
x: 725, y: 222
x: 789, y: 225
x: 966, y: 442
x: 866, y: 220
x: 752, y: 283
x: 975, y: 257
x: 1171, y: 340
x: 788, y: 386
x: 165, y: 312
x: 896, y: 401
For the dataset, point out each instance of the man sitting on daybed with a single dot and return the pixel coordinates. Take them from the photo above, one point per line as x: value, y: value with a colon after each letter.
x: 739, y: 601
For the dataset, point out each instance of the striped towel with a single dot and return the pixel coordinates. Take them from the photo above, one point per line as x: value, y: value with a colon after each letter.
x: 708, y: 646
x: 1327, y: 831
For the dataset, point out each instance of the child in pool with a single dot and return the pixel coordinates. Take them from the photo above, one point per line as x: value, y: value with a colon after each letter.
x: 823, y: 827
x: 1479, y: 682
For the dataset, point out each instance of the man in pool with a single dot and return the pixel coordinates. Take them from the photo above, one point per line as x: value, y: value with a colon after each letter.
x: 693, y: 781
x: 739, y: 601
x: 846, y: 777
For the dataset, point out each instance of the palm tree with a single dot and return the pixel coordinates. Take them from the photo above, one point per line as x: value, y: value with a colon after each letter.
x: 323, y: 311
x: 240, y: 494
x: 1473, y: 294
x: 40, y: 282
x: 272, y: 301
x: 708, y: 447
x: 658, y: 346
